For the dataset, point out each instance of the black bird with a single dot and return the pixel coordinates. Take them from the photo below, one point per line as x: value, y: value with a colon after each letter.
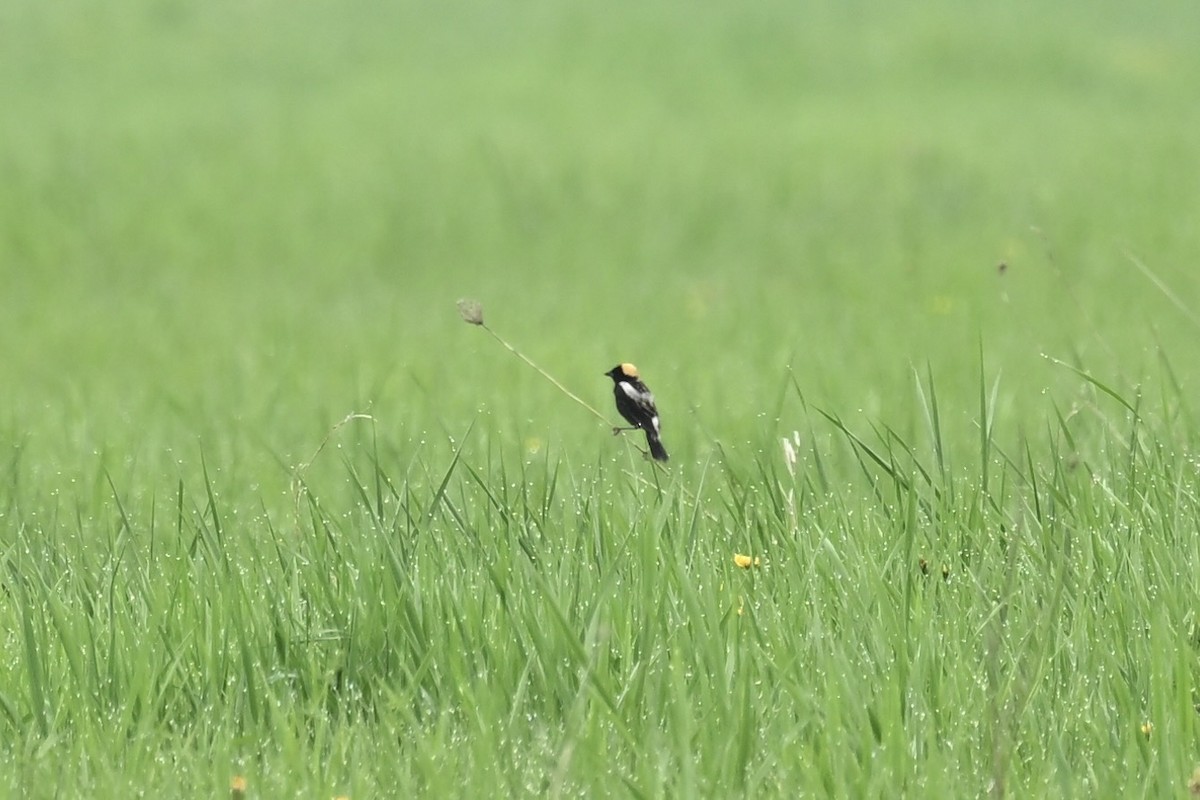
x: 636, y: 405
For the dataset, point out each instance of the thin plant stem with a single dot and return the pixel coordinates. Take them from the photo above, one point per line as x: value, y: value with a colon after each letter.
x: 471, y: 312
x: 547, y: 376
x: 298, y: 487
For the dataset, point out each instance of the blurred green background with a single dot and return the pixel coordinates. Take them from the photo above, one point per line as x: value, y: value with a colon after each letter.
x: 234, y: 223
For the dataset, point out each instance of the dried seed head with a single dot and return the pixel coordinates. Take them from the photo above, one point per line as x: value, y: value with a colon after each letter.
x: 471, y: 311
x: 789, y: 454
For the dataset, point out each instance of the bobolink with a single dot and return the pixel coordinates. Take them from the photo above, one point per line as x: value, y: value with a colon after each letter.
x: 636, y: 405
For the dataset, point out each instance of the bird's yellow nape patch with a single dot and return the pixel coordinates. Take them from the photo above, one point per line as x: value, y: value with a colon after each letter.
x: 629, y: 370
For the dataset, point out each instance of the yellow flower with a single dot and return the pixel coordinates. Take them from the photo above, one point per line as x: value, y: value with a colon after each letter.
x: 1147, y: 729
x: 237, y: 787
x: 746, y: 562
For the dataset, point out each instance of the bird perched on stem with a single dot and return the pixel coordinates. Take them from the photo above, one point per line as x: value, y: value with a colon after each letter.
x: 636, y: 404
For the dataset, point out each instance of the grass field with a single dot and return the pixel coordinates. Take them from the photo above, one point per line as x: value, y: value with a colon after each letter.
x: 947, y: 252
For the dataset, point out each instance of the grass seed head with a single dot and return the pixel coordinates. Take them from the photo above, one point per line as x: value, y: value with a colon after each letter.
x: 471, y: 311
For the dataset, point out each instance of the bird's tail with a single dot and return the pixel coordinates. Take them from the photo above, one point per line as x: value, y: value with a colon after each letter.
x: 656, y: 446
